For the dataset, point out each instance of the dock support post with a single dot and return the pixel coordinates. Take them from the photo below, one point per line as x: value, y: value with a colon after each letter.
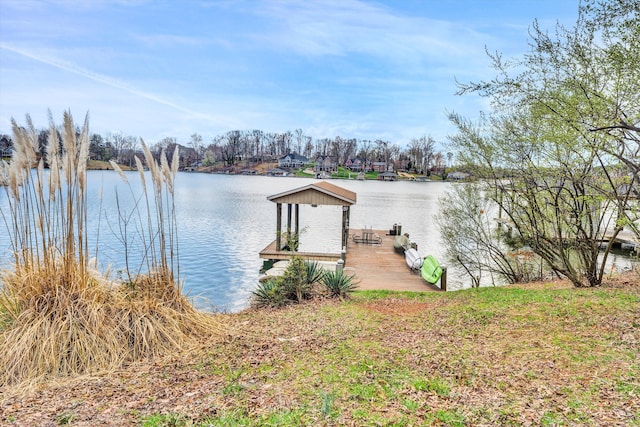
x: 279, y: 227
x: 443, y: 279
x: 345, y: 225
x: 297, y: 220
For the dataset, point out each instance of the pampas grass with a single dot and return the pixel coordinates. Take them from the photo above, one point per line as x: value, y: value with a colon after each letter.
x: 59, y: 315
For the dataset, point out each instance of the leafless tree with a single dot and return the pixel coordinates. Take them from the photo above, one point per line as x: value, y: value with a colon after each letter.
x: 196, y: 144
x: 231, y: 147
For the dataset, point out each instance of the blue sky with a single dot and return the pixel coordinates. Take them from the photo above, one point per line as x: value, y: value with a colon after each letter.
x: 357, y: 69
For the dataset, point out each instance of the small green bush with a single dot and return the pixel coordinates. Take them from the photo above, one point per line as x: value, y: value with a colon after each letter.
x: 338, y: 283
x: 268, y: 294
x: 294, y: 280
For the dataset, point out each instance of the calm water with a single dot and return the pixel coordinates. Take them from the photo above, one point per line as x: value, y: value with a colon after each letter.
x: 224, y: 221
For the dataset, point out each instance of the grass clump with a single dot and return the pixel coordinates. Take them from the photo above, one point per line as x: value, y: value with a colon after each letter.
x: 60, y: 315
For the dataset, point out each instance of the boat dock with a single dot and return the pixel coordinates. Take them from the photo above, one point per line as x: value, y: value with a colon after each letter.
x: 625, y: 238
x: 368, y: 254
x: 379, y: 266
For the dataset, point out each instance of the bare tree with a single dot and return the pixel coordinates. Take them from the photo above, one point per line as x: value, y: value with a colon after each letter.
x: 196, y: 144
x: 120, y: 142
x: 231, y: 147
x: 167, y: 144
x: 300, y: 139
x: 420, y: 152
x: 366, y: 152
x: 271, y: 142
x: 308, y: 147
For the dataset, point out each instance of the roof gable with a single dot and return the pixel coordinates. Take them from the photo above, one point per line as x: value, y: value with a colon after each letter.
x: 319, y: 193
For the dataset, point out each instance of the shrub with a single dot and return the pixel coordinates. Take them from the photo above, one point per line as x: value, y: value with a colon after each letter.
x: 269, y: 294
x: 295, y: 285
x: 294, y: 280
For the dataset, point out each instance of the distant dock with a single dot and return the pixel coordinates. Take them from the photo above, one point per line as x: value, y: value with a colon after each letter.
x: 623, y: 238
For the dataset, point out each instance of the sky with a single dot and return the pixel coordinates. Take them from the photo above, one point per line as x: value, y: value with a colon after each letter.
x: 352, y: 68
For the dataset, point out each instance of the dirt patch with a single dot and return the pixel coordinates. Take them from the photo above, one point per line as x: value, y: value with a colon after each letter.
x: 629, y: 279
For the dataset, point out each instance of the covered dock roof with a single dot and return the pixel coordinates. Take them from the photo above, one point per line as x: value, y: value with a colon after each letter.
x: 315, y: 194
x: 318, y: 193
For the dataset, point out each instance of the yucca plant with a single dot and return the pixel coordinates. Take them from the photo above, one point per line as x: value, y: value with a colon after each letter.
x: 314, y: 271
x: 269, y: 293
x: 60, y: 315
x: 338, y: 283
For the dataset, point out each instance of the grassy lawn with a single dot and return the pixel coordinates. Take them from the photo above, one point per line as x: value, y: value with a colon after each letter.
x: 496, y: 356
x: 102, y: 165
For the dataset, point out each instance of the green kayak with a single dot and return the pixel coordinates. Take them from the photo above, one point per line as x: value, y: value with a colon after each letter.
x: 431, y: 270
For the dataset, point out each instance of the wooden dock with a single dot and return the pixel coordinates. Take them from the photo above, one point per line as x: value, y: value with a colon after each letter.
x: 379, y: 266
x: 624, y: 237
x: 270, y: 252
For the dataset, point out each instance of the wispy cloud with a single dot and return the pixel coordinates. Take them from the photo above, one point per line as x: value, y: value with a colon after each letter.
x: 73, y: 68
x: 348, y: 27
x: 178, y: 40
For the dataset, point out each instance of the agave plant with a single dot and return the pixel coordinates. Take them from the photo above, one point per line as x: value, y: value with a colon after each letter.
x: 338, y: 283
x: 314, y: 272
x: 269, y: 294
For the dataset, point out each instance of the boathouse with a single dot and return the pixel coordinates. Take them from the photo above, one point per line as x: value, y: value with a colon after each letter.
x: 316, y: 194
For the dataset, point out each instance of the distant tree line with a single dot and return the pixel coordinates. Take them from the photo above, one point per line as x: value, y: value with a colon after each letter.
x: 250, y: 147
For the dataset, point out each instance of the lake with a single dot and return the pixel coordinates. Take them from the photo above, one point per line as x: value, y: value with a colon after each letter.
x: 224, y: 221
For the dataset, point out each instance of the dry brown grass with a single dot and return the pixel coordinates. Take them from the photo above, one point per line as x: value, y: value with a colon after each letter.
x: 59, y: 316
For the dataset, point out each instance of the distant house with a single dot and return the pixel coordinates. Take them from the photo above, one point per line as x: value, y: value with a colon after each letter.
x: 292, y: 160
x: 6, y: 146
x: 355, y: 164
x: 379, y: 166
x: 325, y: 164
x: 625, y: 190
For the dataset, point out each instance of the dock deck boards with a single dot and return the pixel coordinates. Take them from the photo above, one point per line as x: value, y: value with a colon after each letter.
x: 379, y: 266
x: 376, y: 266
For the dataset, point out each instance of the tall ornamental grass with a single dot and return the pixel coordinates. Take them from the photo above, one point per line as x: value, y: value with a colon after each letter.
x: 59, y: 315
